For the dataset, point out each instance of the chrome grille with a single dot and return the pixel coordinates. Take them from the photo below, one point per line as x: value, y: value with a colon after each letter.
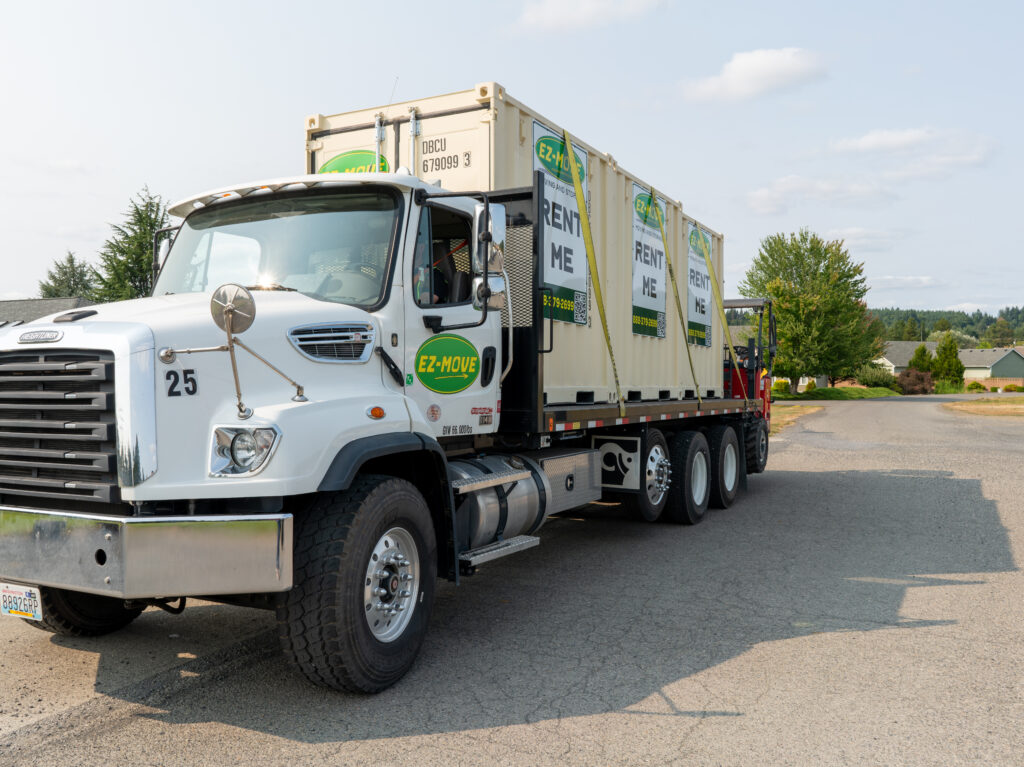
x: 57, y: 429
x: 350, y: 342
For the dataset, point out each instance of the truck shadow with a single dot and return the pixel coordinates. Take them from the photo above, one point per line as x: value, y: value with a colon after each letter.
x: 607, y: 612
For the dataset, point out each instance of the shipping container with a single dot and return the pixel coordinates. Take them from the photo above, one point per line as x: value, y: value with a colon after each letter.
x: 484, y: 140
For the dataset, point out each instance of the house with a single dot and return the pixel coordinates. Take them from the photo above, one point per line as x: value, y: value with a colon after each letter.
x: 25, y: 310
x: 981, y: 364
x: 897, y: 354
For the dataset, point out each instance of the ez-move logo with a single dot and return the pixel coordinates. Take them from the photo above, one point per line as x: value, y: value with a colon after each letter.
x: 447, y: 364
x: 355, y: 161
x: 551, y: 153
x: 699, y: 243
x: 647, y: 213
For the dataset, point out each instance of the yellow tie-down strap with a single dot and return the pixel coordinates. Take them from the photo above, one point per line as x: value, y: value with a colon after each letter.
x: 675, y: 292
x: 588, y: 242
x: 706, y: 250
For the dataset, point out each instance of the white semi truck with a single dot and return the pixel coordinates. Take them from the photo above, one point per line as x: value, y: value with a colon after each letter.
x: 407, y: 370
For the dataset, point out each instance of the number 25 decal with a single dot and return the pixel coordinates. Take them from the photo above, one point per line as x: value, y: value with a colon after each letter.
x: 188, y: 378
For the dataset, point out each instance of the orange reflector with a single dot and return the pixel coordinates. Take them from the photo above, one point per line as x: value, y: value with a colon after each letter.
x: 376, y: 412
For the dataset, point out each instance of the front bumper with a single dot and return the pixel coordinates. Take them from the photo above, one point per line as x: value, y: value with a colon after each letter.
x: 146, y: 557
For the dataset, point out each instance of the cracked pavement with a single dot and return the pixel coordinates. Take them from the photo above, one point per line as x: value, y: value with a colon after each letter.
x: 859, y: 604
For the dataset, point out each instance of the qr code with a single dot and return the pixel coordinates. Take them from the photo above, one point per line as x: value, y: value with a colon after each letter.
x: 661, y: 324
x: 579, y: 308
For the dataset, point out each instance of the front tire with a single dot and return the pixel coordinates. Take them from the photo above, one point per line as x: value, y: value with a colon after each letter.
x: 365, y: 571
x: 74, y: 614
x: 688, y: 497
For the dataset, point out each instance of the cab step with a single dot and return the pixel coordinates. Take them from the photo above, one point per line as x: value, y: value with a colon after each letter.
x: 475, y: 557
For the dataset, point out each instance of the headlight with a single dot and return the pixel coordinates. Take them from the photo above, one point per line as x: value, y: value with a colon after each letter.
x: 239, y: 450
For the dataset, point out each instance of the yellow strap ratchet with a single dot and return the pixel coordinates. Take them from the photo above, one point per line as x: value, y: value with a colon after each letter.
x: 706, y: 250
x: 588, y: 241
x: 675, y: 292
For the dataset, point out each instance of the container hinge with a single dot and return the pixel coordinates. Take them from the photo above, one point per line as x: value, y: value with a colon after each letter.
x: 491, y: 551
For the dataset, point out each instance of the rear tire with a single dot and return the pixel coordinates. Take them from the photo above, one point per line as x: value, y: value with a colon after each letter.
x: 74, y: 614
x: 335, y: 626
x: 655, y: 476
x: 756, y: 438
x: 725, y: 466
x: 691, y: 478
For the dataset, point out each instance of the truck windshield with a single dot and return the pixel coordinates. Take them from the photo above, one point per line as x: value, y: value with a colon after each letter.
x: 332, y: 247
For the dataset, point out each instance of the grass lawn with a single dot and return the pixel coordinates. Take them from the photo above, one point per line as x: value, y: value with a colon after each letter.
x: 846, y: 392
x: 990, y: 406
x: 785, y: 415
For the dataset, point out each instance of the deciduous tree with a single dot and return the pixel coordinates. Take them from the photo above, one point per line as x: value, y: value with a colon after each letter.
x: 823, y: 324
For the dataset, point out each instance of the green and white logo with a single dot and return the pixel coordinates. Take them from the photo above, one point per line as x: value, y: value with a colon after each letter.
x: 646, y: 212
x: 699, y: 242
x: 551, y: 153
x: 447, y: 364
x: 355, y: 161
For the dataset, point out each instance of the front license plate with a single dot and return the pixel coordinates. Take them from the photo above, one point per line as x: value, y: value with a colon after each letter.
x: 20, y: 601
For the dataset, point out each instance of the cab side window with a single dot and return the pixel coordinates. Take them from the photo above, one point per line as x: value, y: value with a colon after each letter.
x: 441, y: 263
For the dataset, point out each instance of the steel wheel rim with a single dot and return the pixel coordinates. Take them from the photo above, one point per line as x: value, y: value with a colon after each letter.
x: 699, y: 478
x: 391, y: 585
x: 659, y: 475
x: 730, y: 466
x: 762, y: 443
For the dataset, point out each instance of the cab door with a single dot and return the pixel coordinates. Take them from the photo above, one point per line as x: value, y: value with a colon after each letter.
x: 452, y: 359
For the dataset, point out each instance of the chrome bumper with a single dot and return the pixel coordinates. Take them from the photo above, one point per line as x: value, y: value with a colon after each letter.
x: 139, y: 557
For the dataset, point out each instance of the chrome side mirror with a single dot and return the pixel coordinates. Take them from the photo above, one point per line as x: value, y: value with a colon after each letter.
x: 489, y: 250
x: 494, y: 294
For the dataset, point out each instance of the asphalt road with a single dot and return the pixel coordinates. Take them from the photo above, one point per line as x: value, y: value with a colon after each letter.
x: 860, y: 604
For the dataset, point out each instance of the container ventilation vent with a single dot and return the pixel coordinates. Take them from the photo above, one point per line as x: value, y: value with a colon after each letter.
x: 334, y: 342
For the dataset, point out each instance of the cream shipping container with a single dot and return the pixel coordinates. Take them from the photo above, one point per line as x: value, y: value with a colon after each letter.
x: 459, y: 321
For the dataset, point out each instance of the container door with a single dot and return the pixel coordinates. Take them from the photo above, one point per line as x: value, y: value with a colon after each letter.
x: 453, y: 374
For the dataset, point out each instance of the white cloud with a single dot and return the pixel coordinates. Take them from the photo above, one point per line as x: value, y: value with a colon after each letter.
x: 892, y: 282
x: 885, y: 140
x: 860, y: 239
x: 753, y: 73
x: 545, y: 14
x: 942, y: 163
x: 968, y: 306
x: 789, y: 190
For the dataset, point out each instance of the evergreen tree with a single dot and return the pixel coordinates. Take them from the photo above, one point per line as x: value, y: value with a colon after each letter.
x: 69, y: 278
x: 947, y: 365
x: 126, y: 259
x: 999, y: 333
x: 941, y: 325
x: 822, y: 321
x: 922, y: 359
x: 911, y: 331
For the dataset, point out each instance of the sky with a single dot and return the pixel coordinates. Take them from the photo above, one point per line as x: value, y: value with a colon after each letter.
x: 895, y: 127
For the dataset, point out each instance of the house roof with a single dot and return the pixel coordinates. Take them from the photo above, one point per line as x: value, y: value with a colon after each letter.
x: 899, y: 352
x: 986, y: 358
x: 28, y: 309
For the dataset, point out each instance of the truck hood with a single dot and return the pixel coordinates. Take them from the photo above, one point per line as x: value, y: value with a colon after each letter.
x: 184, y: 320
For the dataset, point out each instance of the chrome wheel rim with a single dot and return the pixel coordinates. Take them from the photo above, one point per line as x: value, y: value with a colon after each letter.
x: 699, y: 478
x: 391, y: 585
x: 659, y: 475
x: 730, y: 465
x: 762, y: 443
